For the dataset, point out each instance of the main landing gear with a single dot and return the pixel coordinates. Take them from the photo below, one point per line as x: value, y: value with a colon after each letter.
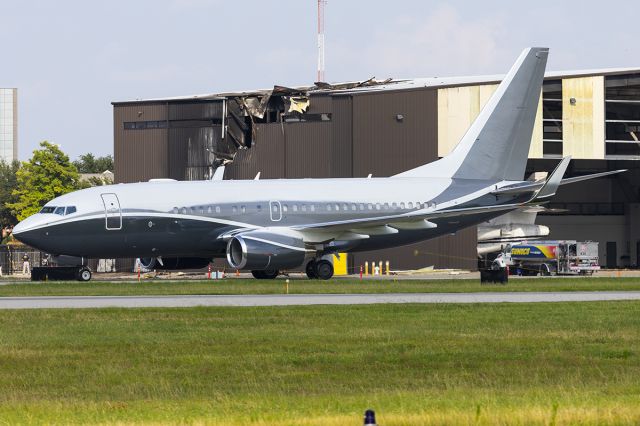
x: 267, y: 274
x: 319, y: 269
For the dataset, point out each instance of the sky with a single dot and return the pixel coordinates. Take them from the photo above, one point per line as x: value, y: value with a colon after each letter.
x: 71, y: 59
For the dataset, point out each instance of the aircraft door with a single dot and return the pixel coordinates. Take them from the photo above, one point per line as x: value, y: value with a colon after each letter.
x: 112, y: 212
x: 275, y: 210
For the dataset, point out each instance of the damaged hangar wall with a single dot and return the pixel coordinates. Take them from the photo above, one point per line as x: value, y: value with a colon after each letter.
x: 381, y: 133
x: 370, y: 133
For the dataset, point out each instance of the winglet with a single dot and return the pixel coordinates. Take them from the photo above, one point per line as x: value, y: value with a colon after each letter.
x: 553, y: 182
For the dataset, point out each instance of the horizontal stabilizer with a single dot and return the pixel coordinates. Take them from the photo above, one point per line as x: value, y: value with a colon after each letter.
x: 591, y: 176
x: 524, y: 187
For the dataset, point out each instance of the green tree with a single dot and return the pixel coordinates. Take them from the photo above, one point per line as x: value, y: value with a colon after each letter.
x: 88, y: 163
x: 8, y: 184
x: 48, y: 174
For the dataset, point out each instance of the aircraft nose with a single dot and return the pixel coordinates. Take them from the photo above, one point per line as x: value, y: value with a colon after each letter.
x: 25, y: 231
x: 20, y: 228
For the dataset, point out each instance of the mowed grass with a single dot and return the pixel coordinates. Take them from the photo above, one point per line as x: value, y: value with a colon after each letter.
x: 303, y: 286
x: 556, y: 363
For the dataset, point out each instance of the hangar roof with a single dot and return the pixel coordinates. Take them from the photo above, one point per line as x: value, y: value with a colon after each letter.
x: 373, y: 85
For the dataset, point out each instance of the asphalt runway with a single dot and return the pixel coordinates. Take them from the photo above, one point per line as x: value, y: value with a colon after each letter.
x: 81, y: 302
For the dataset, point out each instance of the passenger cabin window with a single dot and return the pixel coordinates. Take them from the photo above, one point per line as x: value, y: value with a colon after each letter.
x: 217, y: 209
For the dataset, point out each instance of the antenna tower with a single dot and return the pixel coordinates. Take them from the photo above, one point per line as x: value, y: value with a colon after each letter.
x: 321, y: 4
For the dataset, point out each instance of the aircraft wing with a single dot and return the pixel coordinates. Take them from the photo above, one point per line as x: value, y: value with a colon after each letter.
x: 418, y: 219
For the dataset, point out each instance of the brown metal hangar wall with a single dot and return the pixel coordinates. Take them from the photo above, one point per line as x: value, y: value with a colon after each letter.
x: 195, y: 132
x: 365, y: 135
x: 394, y: 132
x: 140, y: 154
x: 299, y: 149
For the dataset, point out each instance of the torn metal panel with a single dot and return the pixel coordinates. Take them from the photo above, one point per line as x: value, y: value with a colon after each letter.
x: 256, y: 106
x: 298, y: 104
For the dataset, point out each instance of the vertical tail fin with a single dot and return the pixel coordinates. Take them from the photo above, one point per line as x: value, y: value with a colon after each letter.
x: 496, y: 146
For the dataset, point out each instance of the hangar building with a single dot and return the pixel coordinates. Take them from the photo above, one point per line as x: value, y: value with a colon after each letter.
x: 386, y: 127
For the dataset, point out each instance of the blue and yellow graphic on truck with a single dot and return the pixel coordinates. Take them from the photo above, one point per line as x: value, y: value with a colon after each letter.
x: 537, y: 251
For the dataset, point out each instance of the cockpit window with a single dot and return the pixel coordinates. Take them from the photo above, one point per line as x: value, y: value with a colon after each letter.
x: 62, y: 211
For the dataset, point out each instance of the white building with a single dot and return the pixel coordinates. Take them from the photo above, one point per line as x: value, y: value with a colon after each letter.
x: 8, y: 124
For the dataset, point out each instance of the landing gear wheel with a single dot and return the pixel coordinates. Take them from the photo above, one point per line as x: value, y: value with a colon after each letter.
x: 84, y: 274
x: 268, y: 274
x: 311, y: 270
x: 324, y: 269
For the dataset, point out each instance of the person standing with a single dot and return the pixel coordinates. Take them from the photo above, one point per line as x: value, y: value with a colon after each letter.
x: 26, y: 267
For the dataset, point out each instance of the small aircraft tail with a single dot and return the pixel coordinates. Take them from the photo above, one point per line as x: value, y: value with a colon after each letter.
x: 496, y: 146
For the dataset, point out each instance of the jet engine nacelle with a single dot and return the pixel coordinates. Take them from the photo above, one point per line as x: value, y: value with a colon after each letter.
x: 260, y: 250
x: 174, y: 263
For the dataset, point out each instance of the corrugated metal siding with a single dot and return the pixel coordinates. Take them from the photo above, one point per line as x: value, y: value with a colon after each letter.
x: 384, y: 146
x: 140, y: 155
x: 266, y: 156
x: 342, y: 137
x: 308, y: 150
x: 320, y: 104
x: 191, y: 151
x: 362, y: 137
x: 195, y: 110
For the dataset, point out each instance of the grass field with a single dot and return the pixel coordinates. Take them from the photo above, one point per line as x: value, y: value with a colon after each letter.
x: 541, y: 364
x: 250, y: 286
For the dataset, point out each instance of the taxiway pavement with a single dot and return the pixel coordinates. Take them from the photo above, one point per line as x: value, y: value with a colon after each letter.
x: 182, y: 301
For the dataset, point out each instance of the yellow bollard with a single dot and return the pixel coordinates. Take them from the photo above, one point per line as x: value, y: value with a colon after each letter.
x: 386, y: 268
x: 286, y: 285
x: 380, y: 267
x: 366, y: 268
